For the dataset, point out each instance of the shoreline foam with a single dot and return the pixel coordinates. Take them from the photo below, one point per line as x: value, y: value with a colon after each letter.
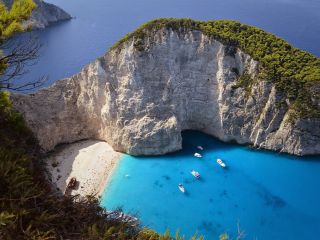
x: 91, y: 162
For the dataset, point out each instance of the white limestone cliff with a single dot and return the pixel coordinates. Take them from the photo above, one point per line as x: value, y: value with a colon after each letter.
x: 140, y: 101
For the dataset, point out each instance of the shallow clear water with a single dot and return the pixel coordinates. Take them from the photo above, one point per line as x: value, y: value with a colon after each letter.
x: 272, y: 196
x: 69, y: 46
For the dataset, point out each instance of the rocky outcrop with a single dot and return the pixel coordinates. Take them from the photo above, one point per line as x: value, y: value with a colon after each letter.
x: 139, y: 101
x: 44, y: 15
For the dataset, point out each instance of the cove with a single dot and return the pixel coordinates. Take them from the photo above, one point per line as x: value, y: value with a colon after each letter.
x: 270, y: 195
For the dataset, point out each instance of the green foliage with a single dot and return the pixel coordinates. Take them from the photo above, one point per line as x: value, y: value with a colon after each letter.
x: 10, y: 20
x: 287, y: 67
x: 6, y: 218
x: 245, y: 81
x: 13, y: 126
x: 147, y: 234
x: 152, y: 27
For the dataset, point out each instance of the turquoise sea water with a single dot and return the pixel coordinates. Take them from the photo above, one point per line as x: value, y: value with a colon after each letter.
x: 270, y: 195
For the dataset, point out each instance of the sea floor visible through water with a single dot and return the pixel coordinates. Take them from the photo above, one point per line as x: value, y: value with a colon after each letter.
x: 268, y: 195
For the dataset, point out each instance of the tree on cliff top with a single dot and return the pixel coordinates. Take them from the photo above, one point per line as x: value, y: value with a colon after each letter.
x: 10, y: 20
x: 15, y: 55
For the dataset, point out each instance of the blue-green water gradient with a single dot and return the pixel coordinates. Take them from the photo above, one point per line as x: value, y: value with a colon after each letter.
x: 270, y: 195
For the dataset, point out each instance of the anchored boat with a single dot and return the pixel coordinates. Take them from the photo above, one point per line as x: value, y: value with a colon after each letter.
x: 200, y: 148
x: 221, y: 163
x: 195, y: 174
x: 181, y: 188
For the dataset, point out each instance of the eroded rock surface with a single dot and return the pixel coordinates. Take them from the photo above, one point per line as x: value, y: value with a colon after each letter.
x: 139, y: 101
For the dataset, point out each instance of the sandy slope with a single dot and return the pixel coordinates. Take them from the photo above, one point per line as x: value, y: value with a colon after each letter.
x: 90, y: 162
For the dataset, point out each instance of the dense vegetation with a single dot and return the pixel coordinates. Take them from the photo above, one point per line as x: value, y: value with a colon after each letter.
x: 10, y: 22
x: 10, y: 19
x: 294, y: 72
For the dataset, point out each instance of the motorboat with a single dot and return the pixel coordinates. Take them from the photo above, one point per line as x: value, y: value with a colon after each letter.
x: 198, y: 155
x: 200, y: 148
x: 181, y: 188
x: 195, y: 174
x: 221, y: 163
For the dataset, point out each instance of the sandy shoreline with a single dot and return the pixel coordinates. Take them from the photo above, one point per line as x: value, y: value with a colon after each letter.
x: 91, y: 162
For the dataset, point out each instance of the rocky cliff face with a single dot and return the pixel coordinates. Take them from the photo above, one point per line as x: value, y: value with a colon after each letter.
x: 44, y: 15
x: 139, y: 101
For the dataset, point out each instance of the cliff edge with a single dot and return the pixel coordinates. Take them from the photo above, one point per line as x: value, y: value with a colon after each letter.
x: 44, y: 14
x: 172, y: 75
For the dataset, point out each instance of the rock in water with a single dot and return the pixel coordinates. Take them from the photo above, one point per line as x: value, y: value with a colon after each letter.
x: 44, y: 15
x: 140, y: 98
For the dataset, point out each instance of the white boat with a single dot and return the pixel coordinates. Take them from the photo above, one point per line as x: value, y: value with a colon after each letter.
x: 200, y: 148
x: 181, y: 188
x: 198, y: 155
x: 195, y: 174
x: 221, y: 163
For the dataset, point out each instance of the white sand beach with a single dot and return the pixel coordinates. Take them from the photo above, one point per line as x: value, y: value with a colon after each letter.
x: 91, y: 162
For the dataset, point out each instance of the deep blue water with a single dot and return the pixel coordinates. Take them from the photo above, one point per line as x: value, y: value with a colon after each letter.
x: 271, y: 196
x: 99, y: 24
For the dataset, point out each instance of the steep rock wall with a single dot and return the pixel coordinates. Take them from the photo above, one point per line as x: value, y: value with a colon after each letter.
x: 139, y: 101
